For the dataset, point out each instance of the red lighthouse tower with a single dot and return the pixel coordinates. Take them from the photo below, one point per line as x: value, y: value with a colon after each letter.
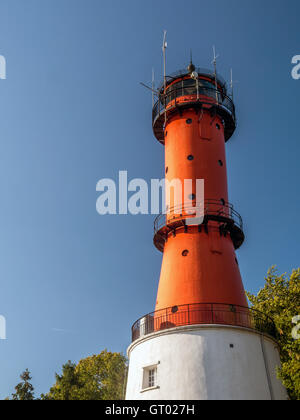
x: 202, y: 341
x: 199, y: 262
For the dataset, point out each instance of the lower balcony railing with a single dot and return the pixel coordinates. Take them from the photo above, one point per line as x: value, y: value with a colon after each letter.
x: 224, y: 214
x: 203, y: 314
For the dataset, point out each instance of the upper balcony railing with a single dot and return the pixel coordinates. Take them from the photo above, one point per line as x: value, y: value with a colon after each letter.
x: 204, y: 314
x: 195, y: 95
x: 204, y: 72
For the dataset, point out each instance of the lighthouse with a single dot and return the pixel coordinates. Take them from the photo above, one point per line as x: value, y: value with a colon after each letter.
x: 202, y: 341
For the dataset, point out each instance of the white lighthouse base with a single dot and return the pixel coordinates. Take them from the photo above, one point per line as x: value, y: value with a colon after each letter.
x: 204, y: 363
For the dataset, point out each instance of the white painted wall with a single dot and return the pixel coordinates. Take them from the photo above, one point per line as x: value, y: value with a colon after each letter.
x: 197, y: 363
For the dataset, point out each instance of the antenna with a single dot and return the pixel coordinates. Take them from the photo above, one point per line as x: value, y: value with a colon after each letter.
x: 191, y: 68
x: 193, y: 73
x: 156, y: 92
x: 215, y: 69
x: 164, y: 47
x: 231, y: 82
x: 153, y: 86
x: 215, y: 59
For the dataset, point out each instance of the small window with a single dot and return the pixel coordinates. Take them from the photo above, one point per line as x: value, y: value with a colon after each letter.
x: 185, y: 253
x: 206, y: 84
x: 192, y: 197
x: 218, y: 126
x: 221, y: 163
x: 190, y: 157
x: 189, y: 121
x: 223, y: 202
x: 189, y: 87
x: 167, y: 169
x: 150, y: 377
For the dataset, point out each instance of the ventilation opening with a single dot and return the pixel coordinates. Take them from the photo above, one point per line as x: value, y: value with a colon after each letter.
x: 189, y: 121
x: 190, y: 157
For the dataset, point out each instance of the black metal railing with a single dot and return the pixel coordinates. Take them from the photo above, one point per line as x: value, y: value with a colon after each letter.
x: 211, y: 209
x: 204, y: 95
x: 201, y: 71
x: 203, y: 314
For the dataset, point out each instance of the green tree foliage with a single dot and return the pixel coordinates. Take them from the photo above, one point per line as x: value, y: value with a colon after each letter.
x: 99, y: 377
x: 24, y: 390
x: 66, y: 384
x: 280, y: 299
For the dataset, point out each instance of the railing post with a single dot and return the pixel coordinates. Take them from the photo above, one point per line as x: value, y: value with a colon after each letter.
x: 212, y: 313
x: 189, y: 321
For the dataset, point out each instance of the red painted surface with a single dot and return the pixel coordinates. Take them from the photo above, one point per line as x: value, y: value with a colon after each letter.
x: 210, y: 272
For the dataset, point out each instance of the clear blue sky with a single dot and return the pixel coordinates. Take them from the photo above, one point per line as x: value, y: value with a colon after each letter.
x: 72, y: 112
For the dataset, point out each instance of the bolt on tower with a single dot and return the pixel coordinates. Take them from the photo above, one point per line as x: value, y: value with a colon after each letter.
x: 202, y: 342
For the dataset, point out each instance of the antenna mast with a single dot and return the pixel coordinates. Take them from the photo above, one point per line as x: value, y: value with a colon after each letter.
x: 153, y: 87
x: 164, y: 47
x: 215, y: 68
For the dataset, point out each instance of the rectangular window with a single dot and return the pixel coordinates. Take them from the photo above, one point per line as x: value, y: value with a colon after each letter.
x: 149, y: 377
